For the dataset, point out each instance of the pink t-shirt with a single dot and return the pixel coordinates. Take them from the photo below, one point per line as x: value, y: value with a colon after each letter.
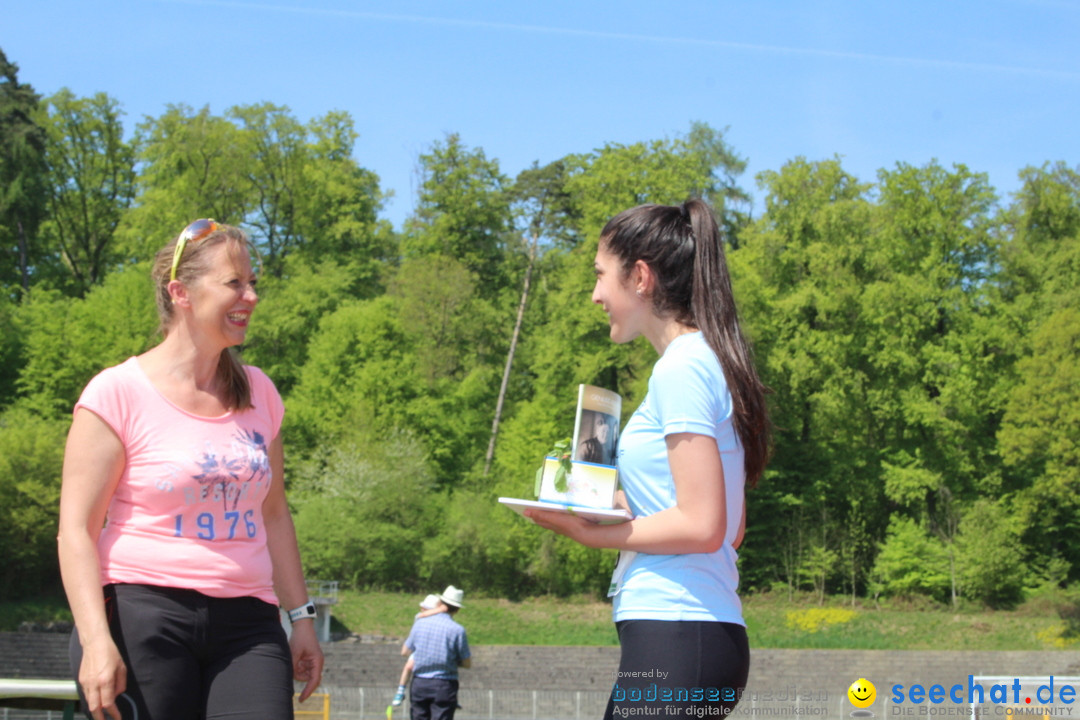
x: 187, y: 512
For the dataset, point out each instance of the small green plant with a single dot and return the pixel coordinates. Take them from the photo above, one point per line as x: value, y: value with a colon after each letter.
x: 561, y: 452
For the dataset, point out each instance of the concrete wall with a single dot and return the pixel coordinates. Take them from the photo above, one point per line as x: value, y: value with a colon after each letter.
x: 563, y: 683
x: 790, y: 683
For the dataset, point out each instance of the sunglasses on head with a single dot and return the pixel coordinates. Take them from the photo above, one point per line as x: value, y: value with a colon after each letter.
x: 193, y: 233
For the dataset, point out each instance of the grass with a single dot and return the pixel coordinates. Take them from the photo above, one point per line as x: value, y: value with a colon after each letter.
x: 778, y: 623
x: 773, y: 621
x: 490, y: 621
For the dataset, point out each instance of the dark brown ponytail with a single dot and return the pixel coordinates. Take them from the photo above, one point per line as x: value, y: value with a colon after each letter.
x: 683, y: 247
x: 714, y: 312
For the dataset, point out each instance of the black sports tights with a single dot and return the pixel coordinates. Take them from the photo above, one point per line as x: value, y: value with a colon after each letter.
x: 679, y: 669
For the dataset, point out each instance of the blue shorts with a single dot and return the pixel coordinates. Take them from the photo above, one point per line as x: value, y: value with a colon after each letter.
x: 194, y: 657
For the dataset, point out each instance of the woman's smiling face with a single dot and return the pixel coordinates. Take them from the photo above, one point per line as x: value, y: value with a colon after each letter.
x: 616, y: 294
x: 224, y: 297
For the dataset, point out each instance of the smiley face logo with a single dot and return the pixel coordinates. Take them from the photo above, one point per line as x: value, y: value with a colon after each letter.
x: 862, y: 693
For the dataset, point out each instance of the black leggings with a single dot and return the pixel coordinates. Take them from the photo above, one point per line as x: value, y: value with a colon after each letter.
x: 194, y: 657
x: 679, y: 669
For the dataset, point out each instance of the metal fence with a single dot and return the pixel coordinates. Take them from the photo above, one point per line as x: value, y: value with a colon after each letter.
x: 371, y: 704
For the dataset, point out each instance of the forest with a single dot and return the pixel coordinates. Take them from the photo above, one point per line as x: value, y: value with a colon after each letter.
x: 920, y: 335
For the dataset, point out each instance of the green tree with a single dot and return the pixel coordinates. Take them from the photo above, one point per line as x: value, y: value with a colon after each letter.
x: 336, y: 211
x: 12, y: 351
x: 359, y: 376
x: 91, y: 183
x: 295, y: 187
x: 721, y: 166
x: 437, y: 300
x: 192, y: 165
x: 545, y: 210
x: 23, y: 180
x: 456, y: 296
x: 463, y: 212
x: 309, y: 196
x: 1039, y: 287
x: 274, y: 141
x: 939, y: 406
x: 799, y: 274
x: 1040, y: 438
x: 289, y: 307
x: 365, y: 371
x: 873, y: 325
x: 69, y: 340
x: 1042, y: 251
x: 817, y: 566
x: 935, y: 253
x: 597, y: 186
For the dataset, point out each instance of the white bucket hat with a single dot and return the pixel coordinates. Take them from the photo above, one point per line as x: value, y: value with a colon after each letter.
x: 429, y: 602
x: 452, y: 596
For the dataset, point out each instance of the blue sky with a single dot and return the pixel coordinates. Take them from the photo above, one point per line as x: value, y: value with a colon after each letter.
x: 994, y: 84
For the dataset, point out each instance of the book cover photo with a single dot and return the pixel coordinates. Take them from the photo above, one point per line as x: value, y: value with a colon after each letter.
x: 585, y: 479
x: 596, y: 426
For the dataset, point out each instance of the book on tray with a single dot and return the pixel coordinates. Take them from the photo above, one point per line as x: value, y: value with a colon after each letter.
x: 583, y: 478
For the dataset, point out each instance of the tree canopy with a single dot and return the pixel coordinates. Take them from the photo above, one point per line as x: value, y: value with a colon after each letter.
x: 920, y: 336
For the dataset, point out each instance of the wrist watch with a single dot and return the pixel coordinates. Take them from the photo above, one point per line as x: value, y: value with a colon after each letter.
x: 303, y: 612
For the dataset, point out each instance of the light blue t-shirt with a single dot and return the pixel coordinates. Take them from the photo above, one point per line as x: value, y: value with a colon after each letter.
x: 687, y: 394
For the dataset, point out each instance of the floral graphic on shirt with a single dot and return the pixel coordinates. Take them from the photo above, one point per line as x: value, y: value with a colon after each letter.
x: 252, y: 446
x: 228, y: 475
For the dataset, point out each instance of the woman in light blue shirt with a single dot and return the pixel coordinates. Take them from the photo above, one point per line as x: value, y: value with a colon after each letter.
x: 699, y: 437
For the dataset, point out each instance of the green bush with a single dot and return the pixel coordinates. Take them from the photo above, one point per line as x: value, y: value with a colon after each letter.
x: 989, y: 556
x: 31, y: 459
x: 910, y: 563
x: 474, y: 547
x: 361, y: 511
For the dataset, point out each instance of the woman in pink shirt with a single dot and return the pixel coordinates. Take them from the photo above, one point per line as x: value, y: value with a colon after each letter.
x: 176, y: 543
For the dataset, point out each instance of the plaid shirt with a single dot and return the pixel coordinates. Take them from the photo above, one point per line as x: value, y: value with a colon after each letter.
x: 439, y: 645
